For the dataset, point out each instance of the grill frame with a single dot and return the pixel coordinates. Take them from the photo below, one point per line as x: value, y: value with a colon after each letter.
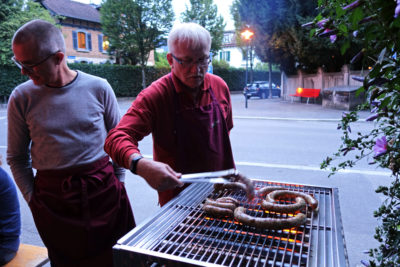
x: 323, y: 233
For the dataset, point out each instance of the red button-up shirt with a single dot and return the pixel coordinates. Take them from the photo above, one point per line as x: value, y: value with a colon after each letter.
x: 153, y: 112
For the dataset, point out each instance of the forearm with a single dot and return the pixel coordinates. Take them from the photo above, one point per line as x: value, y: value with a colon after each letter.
x: 23, y: 176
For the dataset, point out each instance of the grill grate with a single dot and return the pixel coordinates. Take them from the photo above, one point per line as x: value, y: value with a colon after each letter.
x: 180, y: 234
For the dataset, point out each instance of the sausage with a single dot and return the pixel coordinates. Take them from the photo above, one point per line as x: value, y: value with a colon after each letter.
x: 220, y: 204
x: 271, y: 197
x: 268, y: 189
x: 284, y: 208
x: 269, y: 223
x: 230, y: 186
x: 228, y: 200
x: 248, y: 183
x: 217, y: 211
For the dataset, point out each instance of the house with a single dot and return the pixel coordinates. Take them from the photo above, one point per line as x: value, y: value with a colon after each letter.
x: 232, y: 53
x: 81, y: 26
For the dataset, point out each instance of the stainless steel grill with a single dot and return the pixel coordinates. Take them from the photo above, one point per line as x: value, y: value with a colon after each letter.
x: 180, y: 234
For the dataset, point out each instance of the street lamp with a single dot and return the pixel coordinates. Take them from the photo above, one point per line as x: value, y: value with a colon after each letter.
x: 247, y: 35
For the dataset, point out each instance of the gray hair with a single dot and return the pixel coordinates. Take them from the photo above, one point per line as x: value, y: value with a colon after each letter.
x: 192, y: 34
x: 47, y: 37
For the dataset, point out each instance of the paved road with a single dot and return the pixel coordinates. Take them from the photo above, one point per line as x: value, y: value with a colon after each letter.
x: 279, y: 141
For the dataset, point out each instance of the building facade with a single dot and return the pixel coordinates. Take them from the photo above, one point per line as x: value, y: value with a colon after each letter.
x: 81, y: 26
x: 232, y: 53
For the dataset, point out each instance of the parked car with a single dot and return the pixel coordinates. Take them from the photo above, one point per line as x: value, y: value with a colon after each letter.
x: 261, y: 89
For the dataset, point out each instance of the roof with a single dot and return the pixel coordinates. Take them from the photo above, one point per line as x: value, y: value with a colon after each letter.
x: 72, y: 9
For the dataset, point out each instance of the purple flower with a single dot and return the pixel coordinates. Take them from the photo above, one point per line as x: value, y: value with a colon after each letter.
x: 372, y: 117
x: 322, y: 23
x: 380, y: 146
x: 352, y: 5
x: 376, y: 103
x: 397, y: 11
x: 333, y: 38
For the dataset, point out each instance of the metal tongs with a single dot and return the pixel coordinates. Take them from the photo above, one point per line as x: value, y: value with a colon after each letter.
x: 219, y: 177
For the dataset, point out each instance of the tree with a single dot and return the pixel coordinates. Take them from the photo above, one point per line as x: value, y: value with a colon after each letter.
x: 280, y: 39
x: 375, y: 23
x: 13, y: 14
x: 136, y: 27
x: 205, y: 13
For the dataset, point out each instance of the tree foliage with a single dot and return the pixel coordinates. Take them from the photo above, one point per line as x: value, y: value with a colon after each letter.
x: 136, y: 27
x: 280, y: 39
x: 13, y: 14
x: 375, y: 24
x: 205, y: 13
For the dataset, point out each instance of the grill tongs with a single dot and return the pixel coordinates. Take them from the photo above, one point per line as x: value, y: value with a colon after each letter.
x: 219, y: 177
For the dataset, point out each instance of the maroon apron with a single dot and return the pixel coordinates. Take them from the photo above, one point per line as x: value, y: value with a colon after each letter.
x: 202, y: 140
x: 80, y: 213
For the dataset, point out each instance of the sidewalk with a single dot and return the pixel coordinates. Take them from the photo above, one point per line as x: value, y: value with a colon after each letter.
x: 278, y: 108
x: 273, y: 109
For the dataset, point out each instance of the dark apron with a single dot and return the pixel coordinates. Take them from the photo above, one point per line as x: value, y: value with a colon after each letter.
x: 202, y: 140
x: 80, y: 213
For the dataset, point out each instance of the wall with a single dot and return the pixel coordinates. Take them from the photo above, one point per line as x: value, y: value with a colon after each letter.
x: 319, y: 80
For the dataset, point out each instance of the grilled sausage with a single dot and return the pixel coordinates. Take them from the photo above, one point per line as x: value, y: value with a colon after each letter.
x: 248, y: 183
x: 230, y: 186
x: 217, y: 211
x: 273, y: 196
x: 228, y: 200
x: 284, y: 208
x: 269, y: 223
x: 220, y: 204
x: 268, y: 189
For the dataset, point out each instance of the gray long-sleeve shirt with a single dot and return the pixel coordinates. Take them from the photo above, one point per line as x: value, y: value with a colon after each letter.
x: 56, y: 128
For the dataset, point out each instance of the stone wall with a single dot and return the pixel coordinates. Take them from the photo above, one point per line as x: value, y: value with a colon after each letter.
x: 319, y: 80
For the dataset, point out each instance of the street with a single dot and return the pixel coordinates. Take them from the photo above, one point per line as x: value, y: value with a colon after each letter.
x: 273, y: 140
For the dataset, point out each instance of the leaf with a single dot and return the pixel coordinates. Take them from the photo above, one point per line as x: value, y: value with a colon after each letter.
x: 356, y: 16
x: 360, y: 90
x: 344, y: 47
x: 382, y: 55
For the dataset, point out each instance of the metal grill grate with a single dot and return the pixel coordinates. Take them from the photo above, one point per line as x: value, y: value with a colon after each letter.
x: 180, y: 234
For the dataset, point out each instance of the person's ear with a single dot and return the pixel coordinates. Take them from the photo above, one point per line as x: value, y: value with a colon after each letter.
x: 170, y: 58
x: 59, y: 57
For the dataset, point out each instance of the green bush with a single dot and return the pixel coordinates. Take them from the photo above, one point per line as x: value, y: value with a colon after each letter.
x: 126, y: 79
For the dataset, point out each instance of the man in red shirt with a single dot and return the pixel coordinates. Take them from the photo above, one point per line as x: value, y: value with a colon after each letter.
x: 188, y: 112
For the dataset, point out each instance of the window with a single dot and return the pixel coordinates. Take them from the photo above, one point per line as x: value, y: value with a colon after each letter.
x: 82, y: 40
x: 225, y: 55
x: 227, y: 38
x: 103, y: 43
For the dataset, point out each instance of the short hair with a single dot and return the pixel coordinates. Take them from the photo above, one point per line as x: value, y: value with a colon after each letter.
x: 48, y: 37
x: 193, y: 34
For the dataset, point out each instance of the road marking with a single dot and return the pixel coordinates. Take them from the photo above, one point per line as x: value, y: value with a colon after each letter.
x: 302, y: 167
x: 290, y: 119
x: 310, y: 168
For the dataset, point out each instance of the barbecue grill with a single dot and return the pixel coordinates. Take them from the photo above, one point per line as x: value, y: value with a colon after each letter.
x: 180, y: 234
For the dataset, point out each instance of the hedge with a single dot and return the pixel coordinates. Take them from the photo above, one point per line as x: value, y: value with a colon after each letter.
x: 127, y: 80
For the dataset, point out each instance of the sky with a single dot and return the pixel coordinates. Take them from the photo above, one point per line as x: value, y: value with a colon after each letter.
x: 180, y: 6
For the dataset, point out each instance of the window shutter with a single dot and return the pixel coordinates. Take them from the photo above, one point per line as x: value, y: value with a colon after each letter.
x: 228, y: 56
x: 75, y: 40
x: 100, y: 40
x: 89, y: 39
x: 220, y: 55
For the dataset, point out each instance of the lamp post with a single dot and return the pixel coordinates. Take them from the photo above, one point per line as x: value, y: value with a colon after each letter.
x: 247, y: 35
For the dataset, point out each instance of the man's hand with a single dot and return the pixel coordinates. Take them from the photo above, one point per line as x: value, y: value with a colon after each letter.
x: 158, y: 175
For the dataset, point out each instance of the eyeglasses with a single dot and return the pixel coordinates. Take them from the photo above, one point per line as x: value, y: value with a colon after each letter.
x: 29, y: 68
x: 202, y: 62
